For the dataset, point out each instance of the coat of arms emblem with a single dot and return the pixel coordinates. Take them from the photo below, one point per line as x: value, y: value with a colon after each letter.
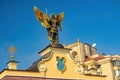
x: 60, y: 64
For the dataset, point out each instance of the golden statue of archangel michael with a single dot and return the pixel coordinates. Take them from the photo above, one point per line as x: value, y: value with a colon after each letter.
x: 51, y: 24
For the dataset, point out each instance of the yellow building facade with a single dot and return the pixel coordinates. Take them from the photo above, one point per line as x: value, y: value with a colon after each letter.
x: 76, y: 61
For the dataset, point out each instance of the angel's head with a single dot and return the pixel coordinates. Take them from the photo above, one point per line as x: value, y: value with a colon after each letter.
x: 53, y: 16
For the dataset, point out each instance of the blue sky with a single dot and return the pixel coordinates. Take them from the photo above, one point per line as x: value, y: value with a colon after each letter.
x: 93, y: 21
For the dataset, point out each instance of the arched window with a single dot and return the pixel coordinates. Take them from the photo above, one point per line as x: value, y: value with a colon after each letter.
x: 73, y: 54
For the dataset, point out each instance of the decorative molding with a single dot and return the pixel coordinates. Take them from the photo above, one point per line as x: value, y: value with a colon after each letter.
x: 91, y: 62
x: 103, y: 61
x: 42, y: 67
x: 80, y: 69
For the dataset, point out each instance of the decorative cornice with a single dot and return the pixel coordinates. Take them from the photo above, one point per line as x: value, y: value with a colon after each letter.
x: 91, y: 62
x: 103, y: 61
x: 48, y: 51
x: 12, y: 61
x: 7, y: 72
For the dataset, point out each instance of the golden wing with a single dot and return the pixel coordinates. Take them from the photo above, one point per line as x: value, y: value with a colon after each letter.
x: 60, y: 16
x: 43, y: 18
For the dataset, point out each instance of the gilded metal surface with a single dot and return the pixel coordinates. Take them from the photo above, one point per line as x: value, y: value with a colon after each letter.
x: 12, y: 51
x: 51, y: 24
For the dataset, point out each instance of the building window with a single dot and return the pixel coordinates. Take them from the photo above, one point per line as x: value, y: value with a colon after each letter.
x: 117, y: 73
x: 117, y: 63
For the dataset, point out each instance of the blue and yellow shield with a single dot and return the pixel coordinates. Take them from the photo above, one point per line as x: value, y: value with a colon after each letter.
x: 60, y: 64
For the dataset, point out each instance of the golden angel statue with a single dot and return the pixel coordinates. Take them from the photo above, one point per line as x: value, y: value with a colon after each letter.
x: 51, y: 24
